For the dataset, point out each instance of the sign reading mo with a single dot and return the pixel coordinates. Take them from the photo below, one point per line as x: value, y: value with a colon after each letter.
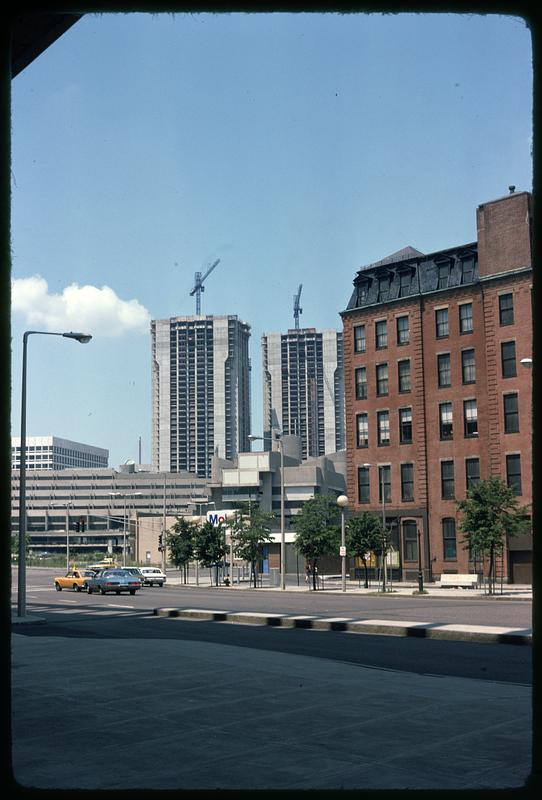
x: 216, y: 517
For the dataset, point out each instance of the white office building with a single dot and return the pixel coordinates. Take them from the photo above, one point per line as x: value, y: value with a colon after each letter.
x: 303, y: 388
x: 200, y: 391
x: 51, y: 452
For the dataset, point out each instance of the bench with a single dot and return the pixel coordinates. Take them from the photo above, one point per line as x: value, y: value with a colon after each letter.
x: 464, y: 581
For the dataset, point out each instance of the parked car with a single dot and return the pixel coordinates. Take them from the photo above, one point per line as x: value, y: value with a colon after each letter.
x: 137, y: 572
x: 76, y: 579
x: 113, y: 580
x: 105, y: 563
x: 153, y: 575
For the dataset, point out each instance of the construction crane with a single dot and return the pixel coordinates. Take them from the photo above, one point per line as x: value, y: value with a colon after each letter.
x: 198, y: 285
x: 297, y: 309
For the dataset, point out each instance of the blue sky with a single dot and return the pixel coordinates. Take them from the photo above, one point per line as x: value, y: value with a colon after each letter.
x: 294, y: 147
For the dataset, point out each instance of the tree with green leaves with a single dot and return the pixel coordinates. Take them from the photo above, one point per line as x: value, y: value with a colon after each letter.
x: 180, y: 543
x: 318, y: 531
x: 210, y: 544
x: 363, y: 536
x: 490, y: 513
x: 251, y: 530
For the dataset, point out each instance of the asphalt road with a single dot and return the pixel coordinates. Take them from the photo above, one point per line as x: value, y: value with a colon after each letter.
x: 462, y: 609
x: 177, y: 704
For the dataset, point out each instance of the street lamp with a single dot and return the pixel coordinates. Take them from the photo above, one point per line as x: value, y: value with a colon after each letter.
x: 384, y: 548
x: 526, y: 362
x: 278, y: 438
x: 125, y: 495
x: 83, y: 338
x: 67, y: 506
x: 342, y: 502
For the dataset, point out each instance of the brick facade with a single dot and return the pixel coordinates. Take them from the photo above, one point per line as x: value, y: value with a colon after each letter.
x: 467, y: 310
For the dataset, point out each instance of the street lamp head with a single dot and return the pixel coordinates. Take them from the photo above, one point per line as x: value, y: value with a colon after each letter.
x: 83, y: 338
x: 526, y: 362
x: 342, y: 501
x: 253, y: 438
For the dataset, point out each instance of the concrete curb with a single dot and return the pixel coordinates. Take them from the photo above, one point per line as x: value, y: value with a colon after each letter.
x: 426, y: 630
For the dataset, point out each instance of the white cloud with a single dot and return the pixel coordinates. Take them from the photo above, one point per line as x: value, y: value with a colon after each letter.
x: 79, y: 308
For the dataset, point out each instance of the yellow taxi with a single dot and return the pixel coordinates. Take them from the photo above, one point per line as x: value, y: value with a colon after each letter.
x: 76, y: 579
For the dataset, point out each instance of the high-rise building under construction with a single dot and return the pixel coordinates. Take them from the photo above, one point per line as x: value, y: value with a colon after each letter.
x: 303, y: 390
x: 200, y: 391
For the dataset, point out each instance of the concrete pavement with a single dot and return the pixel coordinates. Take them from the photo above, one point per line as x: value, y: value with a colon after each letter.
x: 178, y: 713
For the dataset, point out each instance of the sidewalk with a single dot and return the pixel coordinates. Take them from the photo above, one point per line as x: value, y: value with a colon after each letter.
x: 333, y: 586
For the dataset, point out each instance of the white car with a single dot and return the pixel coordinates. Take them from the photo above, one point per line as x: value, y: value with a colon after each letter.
x: 152, y: 575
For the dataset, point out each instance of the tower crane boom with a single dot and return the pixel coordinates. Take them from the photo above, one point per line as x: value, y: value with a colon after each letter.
x: 198, y: 285
x: 297, y: 309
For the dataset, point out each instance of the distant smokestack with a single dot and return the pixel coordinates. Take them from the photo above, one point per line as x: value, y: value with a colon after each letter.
x: 512, y: 189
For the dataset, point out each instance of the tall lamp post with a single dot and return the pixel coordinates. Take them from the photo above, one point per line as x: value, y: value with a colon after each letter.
x: 82, y: 338
x: 278, y: 438
x: 342, y: 502
x: 125, y: 495
x: 67, y: 506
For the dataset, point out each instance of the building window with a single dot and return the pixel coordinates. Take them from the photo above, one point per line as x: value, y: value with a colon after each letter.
x: 405, y: 279
x: 441, y: 322
x: 359, y: 339
x: 508, y: 359
x: 361, y: 383
x: 511, y: 414
x: 381, y: 379
x: 506, y: 309
x: 383, y: 288
x: 443, y: 275
x: 467, y: 270
x: 446, y: 421
x: 470, y: 417
x: 381, y: 334
x: 384, y: 481
x: 465, y: 318
x: 444, y: 370
x: 403, y: 330
x: 403, y: 370
x: 513, y: 473
x: 468, y: 366
x: 449, y: 540
x: 362, y: 428
x: 383, y: 419
x: 407, y: 482
x: 363, y: 485
x: 410, y: 541
x: 447, y: 481
x: 405, y: 425
x: 363, y: 291
x: 472, y: 471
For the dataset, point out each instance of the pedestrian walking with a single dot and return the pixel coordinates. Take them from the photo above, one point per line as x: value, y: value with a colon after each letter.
x: 308, y: 575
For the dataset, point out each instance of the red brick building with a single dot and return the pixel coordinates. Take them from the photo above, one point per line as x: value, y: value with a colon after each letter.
x: 436, y: 395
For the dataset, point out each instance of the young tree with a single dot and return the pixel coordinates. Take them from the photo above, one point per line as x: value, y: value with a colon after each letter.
x: 210, y: 545
x: 180, y: 542
x: 318, y: 530
x: 363, y: 535
x: 251, y: 529
x: 490, y: 513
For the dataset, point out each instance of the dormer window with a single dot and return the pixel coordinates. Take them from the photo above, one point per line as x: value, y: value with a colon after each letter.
x: 383, y: 288
x: 405, y: 279
x: 443, y: 271
x: 467, y: 270
x: 363, y: 291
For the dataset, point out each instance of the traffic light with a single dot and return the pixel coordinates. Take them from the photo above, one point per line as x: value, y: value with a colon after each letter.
x: 160, y: 543
x: 82, y: 524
